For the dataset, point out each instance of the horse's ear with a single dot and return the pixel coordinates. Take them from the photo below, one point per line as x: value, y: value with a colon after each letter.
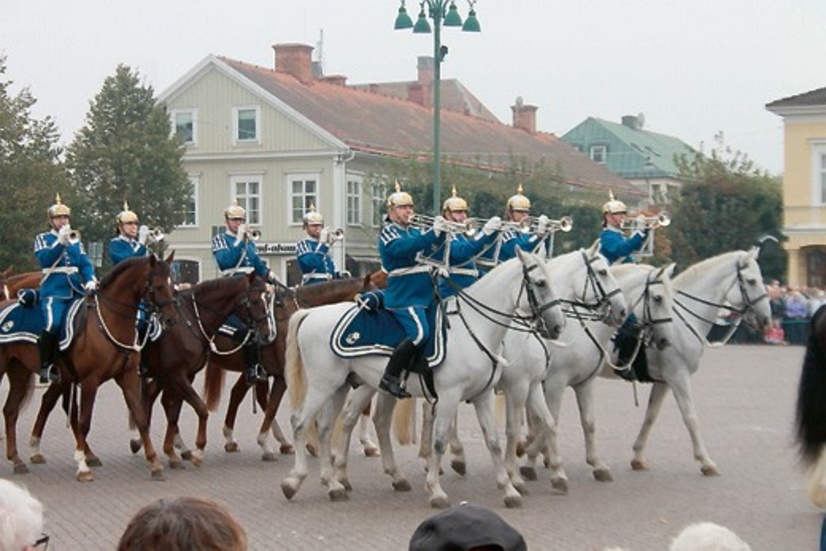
x: 594, y: 249
x: 755, y: 251
x: 170, y: 258
x: 670, y: 269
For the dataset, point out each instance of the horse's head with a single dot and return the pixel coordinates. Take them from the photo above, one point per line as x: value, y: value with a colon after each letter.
x: 255, y: 309
x: 749, y: 294
x: 650, y: 296
x: 540, y: 297
x: 159, y: 292
x: 600, y: 290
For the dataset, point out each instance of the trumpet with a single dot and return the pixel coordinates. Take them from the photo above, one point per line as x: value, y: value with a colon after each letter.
x: 73, y: 237
x: 469, y: 227
x: 530, y: 224
x: 334, y: 235
x: 253, y: 234
x: 646, y: 222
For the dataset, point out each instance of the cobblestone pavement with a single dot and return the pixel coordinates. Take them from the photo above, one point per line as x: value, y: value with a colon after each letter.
x: 744, y: 396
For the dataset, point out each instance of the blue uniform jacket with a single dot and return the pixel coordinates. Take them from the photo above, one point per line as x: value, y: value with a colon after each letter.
x: 463, y: 271
x: 315, y: 262
x: 234, y: 257
x: 511, y: 239
x: 613, y: 244
x: 65, y: 267
x: 408, y: 282
x: 122, y: 247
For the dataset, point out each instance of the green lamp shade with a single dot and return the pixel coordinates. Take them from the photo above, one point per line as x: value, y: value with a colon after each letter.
x: 421, y: 26
x: 471, y: 23
x: 453, y: 19
x: 403, y: 20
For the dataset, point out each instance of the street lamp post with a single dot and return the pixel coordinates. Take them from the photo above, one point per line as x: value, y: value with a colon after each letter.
x: 441, y: 12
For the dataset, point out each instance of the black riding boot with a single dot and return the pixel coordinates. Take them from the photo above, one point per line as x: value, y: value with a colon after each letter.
x: 399, y: 361
x: 254, y: 371
x: 47, y: 346
x: 625, y: 342
x: 143, y: 366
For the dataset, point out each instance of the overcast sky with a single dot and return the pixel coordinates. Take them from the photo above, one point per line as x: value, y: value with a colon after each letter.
x: 692, y: 67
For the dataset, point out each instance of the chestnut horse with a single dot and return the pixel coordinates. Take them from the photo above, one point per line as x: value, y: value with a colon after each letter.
x: 181, y: 352
x: 105, y: 346
x: 11, y: 284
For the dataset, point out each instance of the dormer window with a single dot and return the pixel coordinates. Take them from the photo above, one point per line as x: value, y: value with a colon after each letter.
x: 599, y: 153
x: 246, y: 124
x: 184, y: 125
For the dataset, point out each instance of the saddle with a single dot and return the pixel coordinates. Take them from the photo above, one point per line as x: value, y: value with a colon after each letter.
x: 23, y: 321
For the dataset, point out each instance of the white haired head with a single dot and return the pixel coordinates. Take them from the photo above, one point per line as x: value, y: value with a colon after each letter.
x: 21, y: 517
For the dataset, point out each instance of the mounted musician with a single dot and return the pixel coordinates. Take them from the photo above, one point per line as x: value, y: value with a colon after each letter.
x: 410, y: 289
x: 235, y: 254
x: 67, y: 275
x: 313, y: 253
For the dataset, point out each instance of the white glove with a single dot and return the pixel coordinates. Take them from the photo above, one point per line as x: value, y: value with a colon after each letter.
x: 324, y: 236
x: 90, y: 286
x: 440, y: 225
x: 143, y: 234
x: 492, y: 225
x: 542, y: 224
x: 242, y: 235
x: 63, y: 234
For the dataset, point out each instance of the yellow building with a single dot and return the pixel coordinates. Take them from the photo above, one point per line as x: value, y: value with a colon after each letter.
x: 804, y: 185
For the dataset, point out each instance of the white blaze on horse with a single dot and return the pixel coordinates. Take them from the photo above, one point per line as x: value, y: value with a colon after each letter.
x: 318, y: 378
x: 650, y: 295
x: 730, y: 283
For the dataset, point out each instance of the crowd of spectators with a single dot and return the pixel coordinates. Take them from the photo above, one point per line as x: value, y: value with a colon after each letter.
x: 792, y: 307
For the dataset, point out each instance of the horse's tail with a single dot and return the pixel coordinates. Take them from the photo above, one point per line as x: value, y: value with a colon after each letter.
x: 403, y: 421
x: 810, y: 413
x: 213, y: 385
x: 296, y: 380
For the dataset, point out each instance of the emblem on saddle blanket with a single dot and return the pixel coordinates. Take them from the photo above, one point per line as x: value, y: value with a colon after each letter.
x: 362, y: 332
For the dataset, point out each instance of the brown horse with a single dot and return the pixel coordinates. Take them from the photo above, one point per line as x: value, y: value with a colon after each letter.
x: 105, y: 346
x: 11, y: 284
x: 181, y: 352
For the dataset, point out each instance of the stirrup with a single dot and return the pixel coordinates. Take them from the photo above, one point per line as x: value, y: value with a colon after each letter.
x: 392, y: 385
x: 256, y: 375
x: 49, y: 375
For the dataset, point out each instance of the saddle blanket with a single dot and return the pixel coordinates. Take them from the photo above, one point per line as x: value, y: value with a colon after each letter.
x: 361, y: 332
x: 24, y: 322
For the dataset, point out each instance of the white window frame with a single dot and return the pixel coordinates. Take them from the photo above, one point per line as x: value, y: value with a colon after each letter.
x: 818, y: 160
x: 354, y: 184
x: 251, y: 202
x: 597, y: 151
x: 378, y: 200
x: 299, y: 201
x: 192, y: 207
x: 174, y: 121
x: 236, y: 112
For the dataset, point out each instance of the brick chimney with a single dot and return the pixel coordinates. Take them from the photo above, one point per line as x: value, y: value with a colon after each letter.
x: 421, y: 91
x: 295, y: 60
x: 336, y: 80
x: 524, y: 116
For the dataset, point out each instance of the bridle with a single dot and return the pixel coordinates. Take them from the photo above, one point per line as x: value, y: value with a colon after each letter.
x: 249, y: 319
x: 598, y: 309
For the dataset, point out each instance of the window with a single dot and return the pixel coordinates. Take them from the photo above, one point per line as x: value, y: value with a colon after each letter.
x: 820, y: 176
x: 303, y: 193
x: 598, y: 153
x: 247, y: 191
x: 184, y: 123
x: 378, y: 192
x: 353, y: 201
x: 191, y: 213
x: 245, y: 124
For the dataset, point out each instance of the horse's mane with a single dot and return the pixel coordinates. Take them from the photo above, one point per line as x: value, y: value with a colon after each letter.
x: 20, y: 277
x: 695, y: 271
x: 121, y: 267
x: 211, y: 285
x: 332, y: 287
x: 621, y: 269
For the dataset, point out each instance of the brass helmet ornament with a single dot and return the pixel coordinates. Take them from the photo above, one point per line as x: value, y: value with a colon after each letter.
x: 399, y: 198
x: 613, y: 206
x: 235, y: 211
x: 126, y: 216
x: 519, y: 201
x: 311, y: 217
x: 58, y: 209
x: 454, y: 203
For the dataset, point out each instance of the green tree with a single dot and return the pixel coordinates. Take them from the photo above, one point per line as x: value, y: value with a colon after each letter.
x: 126, y: 152
x: 30, y: 174
x: 726, y: 204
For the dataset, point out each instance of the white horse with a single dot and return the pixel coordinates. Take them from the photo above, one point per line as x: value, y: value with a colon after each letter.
x: 650, y: 293
x: 584, y: 283
x: 318, y: 379
x: 729, y: 282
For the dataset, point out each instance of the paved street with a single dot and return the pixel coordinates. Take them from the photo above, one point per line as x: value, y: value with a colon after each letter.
x: 744, y: 396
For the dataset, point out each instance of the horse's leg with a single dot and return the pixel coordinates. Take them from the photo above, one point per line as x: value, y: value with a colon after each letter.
x: 127, y: 380
x: 150, y: 390
x: 382, y: 420
x: 426, y: 443
x: 20, y: 381
x: 655, y: 402
x: 269, y: 423
x: 367, y: 444
x: 484, y: 414
x: 47, y: 404
x: 681, y: 388
x: 515, y: 400
x: 545, y: 426
x: 81, y: 424
x: 325, y: 423
x: 236, y: 396
x: 585, y: 401
x: 187, y: 392
x: 350, y: 415
x: 171, y: 402
x: 457, y: 449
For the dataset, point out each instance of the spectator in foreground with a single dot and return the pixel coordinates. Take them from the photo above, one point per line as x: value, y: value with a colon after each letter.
x: 466, y: 527
x: 183, y: 524
x: 707, y: 536
x: 21, y: 519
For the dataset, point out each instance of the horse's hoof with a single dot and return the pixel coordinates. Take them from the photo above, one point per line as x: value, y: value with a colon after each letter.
x: 94, y: 461
x: 528, y: 472
x: 311, y: 450
x: 372, y: 452
x: 339, y: 495
x: 513, y: 502
x: 135, y: 445
x: 638, y: 465
x: 402, y: 485
x: 560, y: 485
x: 459, y: 467
x: 603, y: 475
x: 84, y: 476
x: 21, y: 468
x: 286, y: 449
x: 269, y: 457
x: 439, y: 502
x: 38, y: 459
x: 710, y: 470
x: 157, y: 475
x: 187, y: 455
x: 176, y: 464
x: 196, y: 461
x: 288, y: 490
x: 231, y: 447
